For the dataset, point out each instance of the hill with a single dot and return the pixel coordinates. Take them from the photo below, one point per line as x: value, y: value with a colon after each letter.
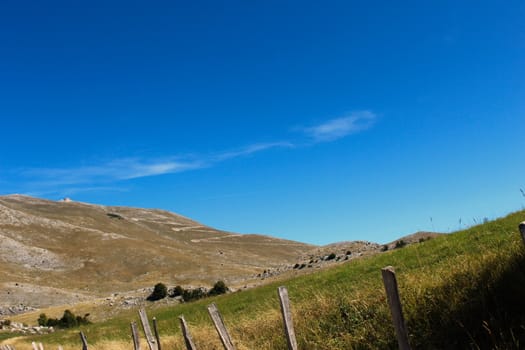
x: 459, y: 291
x: 63, y: 252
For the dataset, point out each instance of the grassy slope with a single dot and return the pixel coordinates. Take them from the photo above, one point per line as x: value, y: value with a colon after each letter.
x: 462, y: 290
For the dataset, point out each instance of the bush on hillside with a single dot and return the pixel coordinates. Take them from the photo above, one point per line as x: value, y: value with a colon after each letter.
x: 400, y: 244
x: 177, y: 291
x: 42, y: 320
x: 193, y: 294
x: 68, y: 320
x: 159, y: 292
x: 218, y: 288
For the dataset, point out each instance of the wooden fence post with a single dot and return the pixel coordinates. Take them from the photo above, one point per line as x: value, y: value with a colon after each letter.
x: 84, y: 341
x: 135, y: 336
x: 152, y: 343
x: 522, y: 230
x: 186, y: 334
x: 220, y: 327
x: 287, y: 317
x: 392, y: 294
x: 156, y: 330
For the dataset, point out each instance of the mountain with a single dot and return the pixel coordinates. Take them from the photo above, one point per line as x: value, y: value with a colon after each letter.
x: 54, y: 253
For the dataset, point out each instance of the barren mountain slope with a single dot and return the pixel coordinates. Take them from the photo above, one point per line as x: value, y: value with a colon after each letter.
x: 73, y: 251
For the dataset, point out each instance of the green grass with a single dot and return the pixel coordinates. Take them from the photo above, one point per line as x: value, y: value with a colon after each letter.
x: 463, y: 290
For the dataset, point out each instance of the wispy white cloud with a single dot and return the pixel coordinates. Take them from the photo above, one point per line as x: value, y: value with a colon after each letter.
x: 119, y: 169
x: 338, y: 128
x: 251, y: 149
x: 132, y: 168
x: 105, y: 175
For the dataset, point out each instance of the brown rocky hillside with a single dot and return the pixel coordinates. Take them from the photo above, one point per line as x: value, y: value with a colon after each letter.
x: 53, y: 253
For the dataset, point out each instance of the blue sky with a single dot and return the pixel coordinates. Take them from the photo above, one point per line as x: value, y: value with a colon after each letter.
x: 312, y: 121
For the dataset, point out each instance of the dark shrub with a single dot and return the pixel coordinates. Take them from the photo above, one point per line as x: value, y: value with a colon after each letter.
x: 42, y: 320
x: 159, y: 292
x: 218, y: 288
x: 68, y: 320
x: 400, y: 244
x: 177, y: 291
x: 193, y: 294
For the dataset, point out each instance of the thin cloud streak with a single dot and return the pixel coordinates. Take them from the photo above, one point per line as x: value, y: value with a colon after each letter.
x: 133, y: 168
x: 120, y: 169
x: 97, y: 176
x: 338, y: 128
x: 249, y: 150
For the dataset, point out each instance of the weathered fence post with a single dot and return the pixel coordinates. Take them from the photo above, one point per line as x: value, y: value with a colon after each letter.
x: 392, y: 294
x: 220, y: 327
x: 156, y: 330
x: 84, y: 341
x: 522, y: 231
x: 186, y: 334
x: 287, y: 317
x: 152, y: 343
x: 135, y: 336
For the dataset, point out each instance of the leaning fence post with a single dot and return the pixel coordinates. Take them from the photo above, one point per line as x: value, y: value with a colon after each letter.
x: 84, y: 341
x: 392, y: 294
x: 522, y: 230
x: 220, y: 327
x: 156, y: 330
x: 186, y: 334
x: 135, y: 336
x: 287, y: 317
x: 147, y: 330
